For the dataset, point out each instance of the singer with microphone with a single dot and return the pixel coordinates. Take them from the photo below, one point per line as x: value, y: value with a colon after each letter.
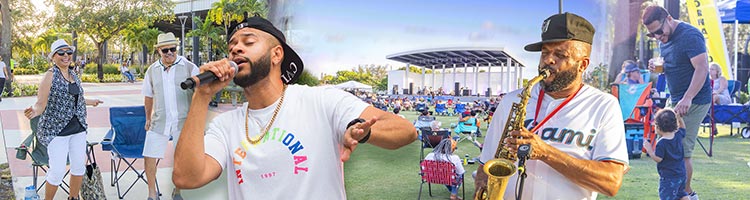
x: 166, y: 105
x: 288, y: 141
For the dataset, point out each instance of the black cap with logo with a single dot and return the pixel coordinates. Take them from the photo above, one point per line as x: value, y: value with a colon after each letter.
x: 562, y: 27
x: 291, y: 66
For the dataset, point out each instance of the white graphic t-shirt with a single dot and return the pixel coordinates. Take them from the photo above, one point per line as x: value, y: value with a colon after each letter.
x: 299, y: 157
x: 589, y: 127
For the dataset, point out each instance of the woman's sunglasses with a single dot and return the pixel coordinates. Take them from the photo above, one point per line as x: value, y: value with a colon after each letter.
x: 63, y: 52
x: 167, y: 50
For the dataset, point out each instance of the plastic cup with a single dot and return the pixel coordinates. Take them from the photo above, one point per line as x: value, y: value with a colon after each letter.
x: 658, y: 65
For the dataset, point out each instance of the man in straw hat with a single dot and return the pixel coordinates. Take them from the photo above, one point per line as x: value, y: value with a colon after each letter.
x: 573, y: 156
x: 288, y: 141
x: 166, y: 105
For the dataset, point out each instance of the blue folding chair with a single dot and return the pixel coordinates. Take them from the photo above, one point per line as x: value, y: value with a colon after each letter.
x: 460, y: 108
x: 661, y: 84
x: 733, y: 86
x: 421, y: 107
x: 125, y: 140
x: 440, y: 109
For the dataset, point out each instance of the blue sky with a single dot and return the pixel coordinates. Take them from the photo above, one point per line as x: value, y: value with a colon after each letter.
x: 333, y: 35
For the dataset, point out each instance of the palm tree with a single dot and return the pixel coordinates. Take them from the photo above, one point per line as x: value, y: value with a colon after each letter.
x: 206, y: 29
x: 141, y: 35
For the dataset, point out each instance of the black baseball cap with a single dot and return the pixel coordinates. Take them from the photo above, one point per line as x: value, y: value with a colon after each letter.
x: 291, y: 66
x: 562, y: 27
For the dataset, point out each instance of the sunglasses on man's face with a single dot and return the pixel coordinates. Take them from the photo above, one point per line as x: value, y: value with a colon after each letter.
x: 167, y: 50
x: 660, y: 31
x: 63, y: 52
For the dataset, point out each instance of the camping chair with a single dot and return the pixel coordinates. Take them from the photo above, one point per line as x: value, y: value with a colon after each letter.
x: 125, y: 141
x: 421, y: 106
x: 733, y: 86
x: 430, y: 139
x: 460, y: 108
x: 467, y: 131
x: 637, y: 109
x: 440, y: 109
x: 661, y: 85
x: 439, y: 172
x: 39, y: 157
x: 424, y: 121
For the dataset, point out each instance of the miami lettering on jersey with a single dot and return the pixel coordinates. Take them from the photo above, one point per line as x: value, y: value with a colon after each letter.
x: 564, y: 135
x: 280, y: 137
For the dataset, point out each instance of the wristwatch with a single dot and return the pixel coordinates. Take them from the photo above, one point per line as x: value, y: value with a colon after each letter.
x: 360, y: 120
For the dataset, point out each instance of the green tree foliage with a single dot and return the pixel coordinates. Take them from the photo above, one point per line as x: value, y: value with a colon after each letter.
x: 140, y: 35
x: 373, y: 75
x: 225, y: 12
x: 308, y: 79
x: 25, y: 23
x: 102, y: 20
x: 597, y: 77
x: 414, y: 69
x: 210, y: 33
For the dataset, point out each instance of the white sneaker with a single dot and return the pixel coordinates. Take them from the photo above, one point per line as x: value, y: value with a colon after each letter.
x: 693, y: 196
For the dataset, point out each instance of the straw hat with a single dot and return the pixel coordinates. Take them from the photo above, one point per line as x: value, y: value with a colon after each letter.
x: 165, y: 39
x: 57, y: 45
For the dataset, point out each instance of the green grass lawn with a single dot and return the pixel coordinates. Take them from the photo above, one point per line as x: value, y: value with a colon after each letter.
x: 374, y: 173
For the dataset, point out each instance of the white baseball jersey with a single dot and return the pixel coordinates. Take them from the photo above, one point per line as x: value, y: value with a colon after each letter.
x: 589, y: 127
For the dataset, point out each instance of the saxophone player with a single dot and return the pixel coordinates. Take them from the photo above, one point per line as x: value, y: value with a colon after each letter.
x: 576, y: 131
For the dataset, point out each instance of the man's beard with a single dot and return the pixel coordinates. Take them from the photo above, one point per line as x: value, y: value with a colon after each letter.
x: 562, y: 80
x: 258, y: 71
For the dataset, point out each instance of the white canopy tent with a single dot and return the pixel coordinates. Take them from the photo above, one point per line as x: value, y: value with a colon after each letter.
x: 353, y: 85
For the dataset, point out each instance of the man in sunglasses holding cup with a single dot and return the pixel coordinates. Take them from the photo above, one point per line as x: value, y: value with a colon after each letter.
x: 683, y: 49
x: 166, y: 105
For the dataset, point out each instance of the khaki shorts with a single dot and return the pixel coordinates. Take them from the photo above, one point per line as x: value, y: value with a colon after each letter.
x: 693, y: 120
x: 156, y: 144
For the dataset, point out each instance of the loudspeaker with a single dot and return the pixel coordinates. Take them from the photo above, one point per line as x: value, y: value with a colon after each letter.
x: 456, y: 88
x: 411, y: 88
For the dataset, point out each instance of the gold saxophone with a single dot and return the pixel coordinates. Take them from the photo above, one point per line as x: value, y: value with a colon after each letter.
x: 502, y: 166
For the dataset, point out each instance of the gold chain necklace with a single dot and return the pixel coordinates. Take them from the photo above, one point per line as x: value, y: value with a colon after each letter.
x: 268, y: 126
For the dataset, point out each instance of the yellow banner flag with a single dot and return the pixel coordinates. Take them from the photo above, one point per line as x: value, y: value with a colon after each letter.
x: 704, y: 15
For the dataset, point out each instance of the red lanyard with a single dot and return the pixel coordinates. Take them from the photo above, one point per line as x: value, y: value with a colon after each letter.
x: 539, y: 104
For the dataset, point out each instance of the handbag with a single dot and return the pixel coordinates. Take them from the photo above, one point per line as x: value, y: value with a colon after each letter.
x: 92, y: 187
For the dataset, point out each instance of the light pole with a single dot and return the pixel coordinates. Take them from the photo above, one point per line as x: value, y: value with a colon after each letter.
x: 183, y: 19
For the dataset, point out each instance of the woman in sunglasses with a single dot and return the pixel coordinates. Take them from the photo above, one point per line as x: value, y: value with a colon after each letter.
x: 62, y: 123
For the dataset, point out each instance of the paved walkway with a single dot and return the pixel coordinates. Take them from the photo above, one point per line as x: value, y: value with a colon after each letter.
x: 15, y: 128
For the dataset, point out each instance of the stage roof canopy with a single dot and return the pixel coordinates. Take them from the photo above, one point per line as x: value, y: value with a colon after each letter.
x: 459, y: 56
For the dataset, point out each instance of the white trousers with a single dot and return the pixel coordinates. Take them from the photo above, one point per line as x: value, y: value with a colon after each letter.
x: 62, y: 148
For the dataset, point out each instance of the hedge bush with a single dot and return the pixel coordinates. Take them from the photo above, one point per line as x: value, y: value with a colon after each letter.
x: 108, y: 69
x: 108, y: 78
x: 26, y: 71
x: 22, y: 90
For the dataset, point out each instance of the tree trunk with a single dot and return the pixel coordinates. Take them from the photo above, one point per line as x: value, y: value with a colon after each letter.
x: 144, y: 59
x: 102, y: 59
x: 210, y: 53
x: 75, y: 44
x: 5, y: 34
x: 627, y: 17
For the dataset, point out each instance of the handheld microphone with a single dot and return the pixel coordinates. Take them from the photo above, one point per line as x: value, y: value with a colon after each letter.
x: 203, y: 78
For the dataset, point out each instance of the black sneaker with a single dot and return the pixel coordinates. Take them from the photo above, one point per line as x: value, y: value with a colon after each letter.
x: 693, y: 196
x: 213, y: 104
